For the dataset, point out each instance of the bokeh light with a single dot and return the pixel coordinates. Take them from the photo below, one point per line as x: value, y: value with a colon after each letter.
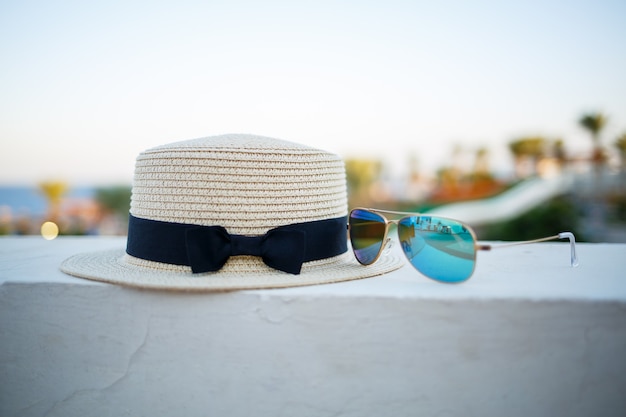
x: 49, y: 230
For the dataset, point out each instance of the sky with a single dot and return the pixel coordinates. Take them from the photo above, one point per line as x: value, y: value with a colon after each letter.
x: 86, y: 86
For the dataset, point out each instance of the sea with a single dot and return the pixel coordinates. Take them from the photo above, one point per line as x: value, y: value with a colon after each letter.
x: 31, y: 201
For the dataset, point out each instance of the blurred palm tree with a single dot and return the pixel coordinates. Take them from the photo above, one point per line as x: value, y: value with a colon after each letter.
x: 594, y: 123
x: 558, y: 151
x: 481, y: 162
x: 53, y: 191
x: 531, y: 148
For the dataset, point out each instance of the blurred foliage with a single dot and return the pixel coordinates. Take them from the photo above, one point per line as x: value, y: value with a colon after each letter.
x: 620, y: 145
x: 362, y: 172
x: 533, y: 147
x: 617, y: 201
x: 115, y: 199
x: 360, y: 175
x: 558, y: 215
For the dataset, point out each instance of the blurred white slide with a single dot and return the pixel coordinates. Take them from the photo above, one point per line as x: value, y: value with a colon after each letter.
x: 521, y: 198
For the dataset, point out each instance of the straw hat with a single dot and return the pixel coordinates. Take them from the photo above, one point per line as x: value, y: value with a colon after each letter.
x: 213, y: 213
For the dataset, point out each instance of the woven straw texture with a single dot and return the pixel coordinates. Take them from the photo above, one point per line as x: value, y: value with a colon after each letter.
x: 245, y: 183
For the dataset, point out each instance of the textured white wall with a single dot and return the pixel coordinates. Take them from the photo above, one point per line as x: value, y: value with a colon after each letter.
x: 394, y: 345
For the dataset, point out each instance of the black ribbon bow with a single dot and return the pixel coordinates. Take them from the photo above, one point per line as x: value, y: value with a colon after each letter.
x: 208, y: 248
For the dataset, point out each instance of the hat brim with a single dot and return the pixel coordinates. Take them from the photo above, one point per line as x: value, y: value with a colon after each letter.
x: 110, y: 266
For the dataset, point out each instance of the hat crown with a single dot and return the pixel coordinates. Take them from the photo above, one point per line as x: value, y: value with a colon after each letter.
x: 236, y: 143
x: 245, y: 183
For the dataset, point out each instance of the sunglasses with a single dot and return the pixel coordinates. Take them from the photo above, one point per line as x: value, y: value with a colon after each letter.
x: 442, y: 249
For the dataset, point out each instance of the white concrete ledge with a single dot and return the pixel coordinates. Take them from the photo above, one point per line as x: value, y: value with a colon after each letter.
x: 526, y: 336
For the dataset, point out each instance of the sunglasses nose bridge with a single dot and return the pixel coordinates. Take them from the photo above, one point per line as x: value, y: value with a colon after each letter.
x: 387, y: 245
x: 388, y: 242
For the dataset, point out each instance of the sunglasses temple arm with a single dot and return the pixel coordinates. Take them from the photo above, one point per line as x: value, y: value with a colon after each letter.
x: 562, y: 235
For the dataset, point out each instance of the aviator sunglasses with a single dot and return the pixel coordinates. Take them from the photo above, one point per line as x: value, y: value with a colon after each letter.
x: 442, y: 249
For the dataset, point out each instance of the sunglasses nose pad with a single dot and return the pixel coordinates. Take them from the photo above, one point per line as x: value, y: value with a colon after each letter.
x: 388, y: 246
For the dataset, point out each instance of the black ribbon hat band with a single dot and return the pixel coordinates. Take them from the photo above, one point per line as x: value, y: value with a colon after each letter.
x: 207, y: 248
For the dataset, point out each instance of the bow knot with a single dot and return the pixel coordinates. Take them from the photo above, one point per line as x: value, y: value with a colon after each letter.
x: 208, y: 248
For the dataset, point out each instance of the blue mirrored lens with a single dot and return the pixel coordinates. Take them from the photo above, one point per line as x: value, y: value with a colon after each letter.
x: 441, y: 249
x: 367, y: 231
